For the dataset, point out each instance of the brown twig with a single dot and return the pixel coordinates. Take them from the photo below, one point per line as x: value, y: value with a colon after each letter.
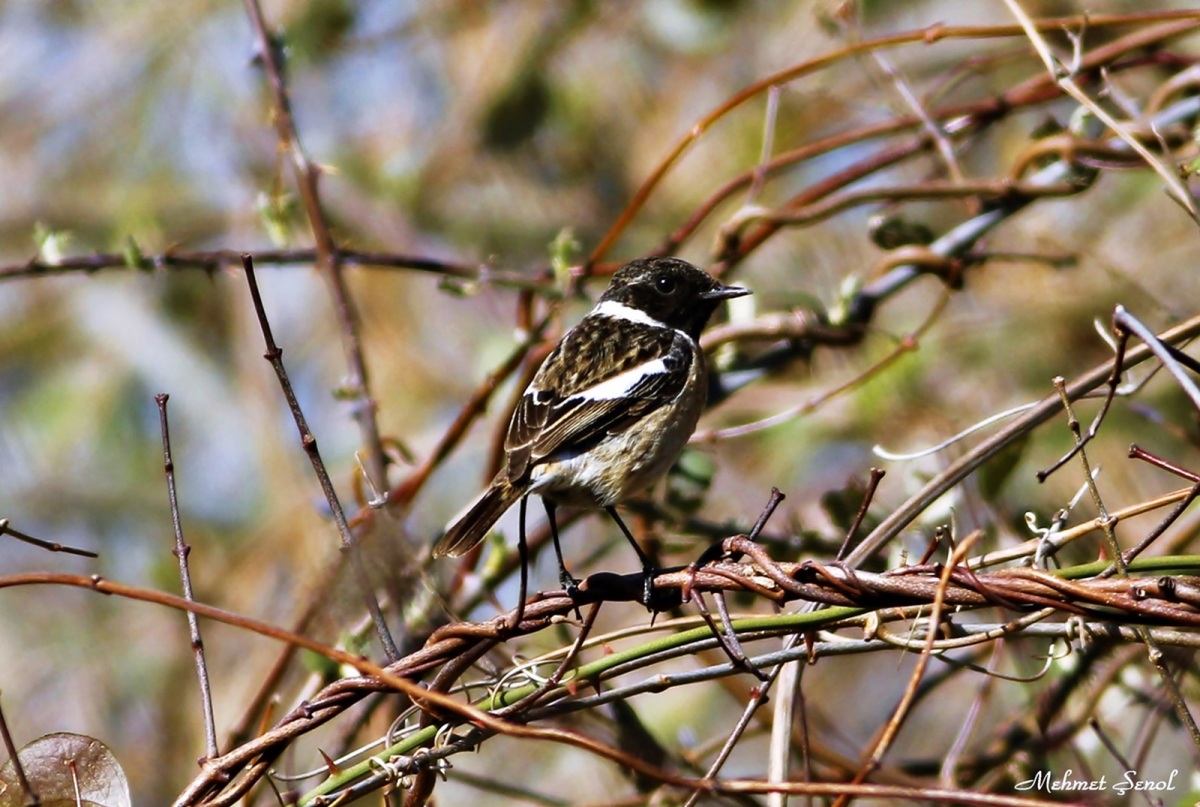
x: 1138, y: 453
x: 892, y: 727
x: 33, y: 799
x: 327, y: 256
x: 217, y: 259
x: 876, y: 476
x: 1107, y: 742
x: 49, y: 546
x: 1154, y: 651
x: 1160, y: 528
x: 989, y: 190
x: 945, y: 148
x: 758, y: 697
x: 1114, y: 381
x: 1064, y: 77
x: 1020, y: 426
x: 1016, y: 584
x: 928, y: 35
x: 181, y: 551
x: 308, y: 442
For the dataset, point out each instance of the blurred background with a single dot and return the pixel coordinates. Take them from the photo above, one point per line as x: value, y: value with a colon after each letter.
x: 479, y: 133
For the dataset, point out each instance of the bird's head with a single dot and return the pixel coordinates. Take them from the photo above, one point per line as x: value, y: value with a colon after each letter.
x: 669, y: 291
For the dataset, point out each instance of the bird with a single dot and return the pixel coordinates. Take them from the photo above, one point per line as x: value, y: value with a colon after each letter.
x: 610, y: 409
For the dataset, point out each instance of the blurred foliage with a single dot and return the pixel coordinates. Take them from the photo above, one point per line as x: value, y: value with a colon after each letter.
x: 486, y: 133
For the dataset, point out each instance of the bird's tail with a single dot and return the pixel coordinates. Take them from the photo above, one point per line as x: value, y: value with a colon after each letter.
x: 470, y: 527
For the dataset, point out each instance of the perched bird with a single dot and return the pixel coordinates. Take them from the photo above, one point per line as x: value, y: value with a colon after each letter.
x: 610, y: 409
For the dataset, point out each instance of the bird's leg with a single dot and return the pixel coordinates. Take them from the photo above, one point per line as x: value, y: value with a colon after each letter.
x: 570, y: 584
x: 523, y: 552
x: 648, y: 568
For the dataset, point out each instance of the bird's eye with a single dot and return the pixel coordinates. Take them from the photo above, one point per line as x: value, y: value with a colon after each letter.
x: 665, y: 285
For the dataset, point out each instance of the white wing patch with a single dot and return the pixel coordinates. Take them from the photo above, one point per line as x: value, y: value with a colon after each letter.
x: 621, y: 384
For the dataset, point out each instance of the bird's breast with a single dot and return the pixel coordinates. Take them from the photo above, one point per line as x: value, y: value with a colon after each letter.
x: 629, y: 462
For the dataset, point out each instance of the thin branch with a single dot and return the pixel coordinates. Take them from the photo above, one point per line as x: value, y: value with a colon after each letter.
x: 308, y: 442
x: 327, y: 257
x: 927, y: 35
x: 1045, y: 410
x: 1065, y: 79
x: 876, y: 476
x: 49, y: 546
x: 34, y: 800
x: 1154, y: 652
x: 945, y: 148
x: 950, y: 764
x: 1159, y: 529
x: 218, y: 259
x: 1094, y: 725
x: 768, y: 147
x: 995, y: 191
x: 1125, y: 321
x: 892, y: 727
x: 758, y: 696
x: 181, y: 552
x: 1114, y: 381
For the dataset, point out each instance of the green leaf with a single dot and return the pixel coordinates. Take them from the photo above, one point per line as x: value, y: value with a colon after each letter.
x: 51, y: 244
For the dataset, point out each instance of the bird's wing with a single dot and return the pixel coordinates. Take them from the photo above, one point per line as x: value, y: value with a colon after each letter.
x: 567, y: 410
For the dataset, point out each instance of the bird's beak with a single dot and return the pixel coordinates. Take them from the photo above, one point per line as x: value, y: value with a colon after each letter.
x: 725, y: 293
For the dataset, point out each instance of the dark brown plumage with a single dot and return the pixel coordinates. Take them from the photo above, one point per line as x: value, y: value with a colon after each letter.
x: 613, y: 404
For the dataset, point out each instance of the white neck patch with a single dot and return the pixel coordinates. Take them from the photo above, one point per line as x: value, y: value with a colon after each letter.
x: 616, y: 310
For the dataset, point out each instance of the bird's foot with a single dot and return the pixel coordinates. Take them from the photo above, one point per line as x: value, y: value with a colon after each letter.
x: 569, y: 583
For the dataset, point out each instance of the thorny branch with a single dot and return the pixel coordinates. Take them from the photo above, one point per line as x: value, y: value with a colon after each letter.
x: 1158, y: 602
x: 1166, y: 600
x: 1162, y: 598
